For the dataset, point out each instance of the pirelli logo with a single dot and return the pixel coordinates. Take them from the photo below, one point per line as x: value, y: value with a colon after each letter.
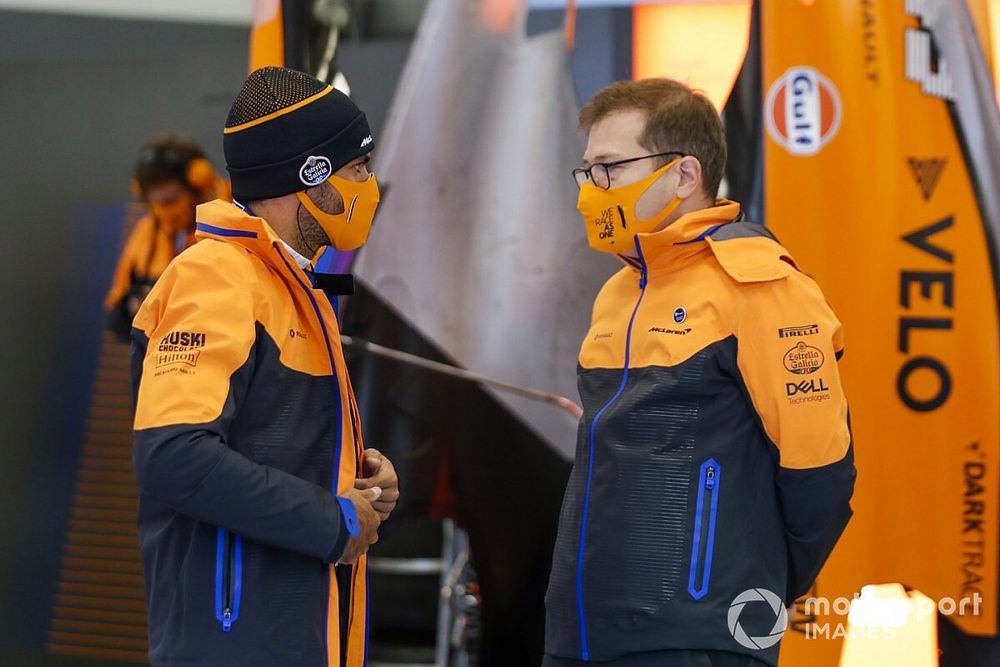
x: 794, y: 332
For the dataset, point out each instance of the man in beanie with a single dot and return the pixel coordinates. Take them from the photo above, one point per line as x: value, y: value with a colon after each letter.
x: 258, y: 499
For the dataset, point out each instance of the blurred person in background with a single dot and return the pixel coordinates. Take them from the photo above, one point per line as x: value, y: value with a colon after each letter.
x: 172, y: 176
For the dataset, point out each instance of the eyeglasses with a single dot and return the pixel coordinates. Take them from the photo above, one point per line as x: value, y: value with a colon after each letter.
x: 600, y: 173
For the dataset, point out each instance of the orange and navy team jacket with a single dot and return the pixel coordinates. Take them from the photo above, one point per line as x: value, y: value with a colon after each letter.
x: 714, y: 454
x: 246, y: 432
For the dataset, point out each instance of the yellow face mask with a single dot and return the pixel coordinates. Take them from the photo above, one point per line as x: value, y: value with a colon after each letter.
x: 347, y: 230
x: 175, y: 216
x: 610, y: 217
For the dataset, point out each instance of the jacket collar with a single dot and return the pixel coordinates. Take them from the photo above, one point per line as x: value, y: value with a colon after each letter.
x: 225, y: 221
x: 228, y: 221
x: 670, y: 248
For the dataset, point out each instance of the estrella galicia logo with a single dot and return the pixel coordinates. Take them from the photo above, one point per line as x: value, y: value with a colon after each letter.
x: 680, y: 315
x: 315, y: 170
x: 806, y: 387
x: 180, y: 347
x: 755, y: 596
x: 804, y: 359
x: 793, y: 332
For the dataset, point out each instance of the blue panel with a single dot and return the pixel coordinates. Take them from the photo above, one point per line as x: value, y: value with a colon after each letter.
x: 30, y: 585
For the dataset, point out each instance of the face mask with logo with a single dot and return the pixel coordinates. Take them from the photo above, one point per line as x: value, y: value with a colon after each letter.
x: 610, y: 217
x: 175, y: 216
x: 347, y: 230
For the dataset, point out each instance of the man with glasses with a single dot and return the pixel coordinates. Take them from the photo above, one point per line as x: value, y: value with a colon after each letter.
x: 714, y: 463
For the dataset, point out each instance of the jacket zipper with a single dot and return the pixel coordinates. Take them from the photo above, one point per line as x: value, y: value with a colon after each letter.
x: 336, y: 387
x: 703, y: 543
x: 354, y: 433
x: 228, y: 578
x: 333, y: 367
x: 584, y: 646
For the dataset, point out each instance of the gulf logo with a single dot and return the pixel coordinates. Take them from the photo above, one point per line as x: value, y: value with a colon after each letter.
x: 803, y: 111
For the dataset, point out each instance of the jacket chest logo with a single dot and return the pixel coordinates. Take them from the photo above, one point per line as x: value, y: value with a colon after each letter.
x: 180, y: 347
x: 803, y: 359
x: 675, y: 332
x: 680, y: 316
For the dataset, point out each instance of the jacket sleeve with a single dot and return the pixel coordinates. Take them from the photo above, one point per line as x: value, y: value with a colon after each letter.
x: 193, y: 344
x: 789, y: 344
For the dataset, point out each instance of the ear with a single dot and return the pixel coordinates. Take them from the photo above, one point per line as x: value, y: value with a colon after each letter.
x: 689, y: 177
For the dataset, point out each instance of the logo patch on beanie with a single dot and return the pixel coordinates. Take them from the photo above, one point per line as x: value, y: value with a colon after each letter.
x: 315, y: 170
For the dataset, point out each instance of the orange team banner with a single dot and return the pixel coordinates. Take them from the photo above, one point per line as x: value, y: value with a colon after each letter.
x: 868, y: 184
x: 267, y: 36
x: 702, y: 44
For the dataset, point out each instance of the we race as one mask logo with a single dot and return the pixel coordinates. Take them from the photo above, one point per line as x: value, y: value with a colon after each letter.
x: 610, y: 218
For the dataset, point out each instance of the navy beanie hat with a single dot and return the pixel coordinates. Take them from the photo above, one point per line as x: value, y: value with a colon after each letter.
x: 288, y: 131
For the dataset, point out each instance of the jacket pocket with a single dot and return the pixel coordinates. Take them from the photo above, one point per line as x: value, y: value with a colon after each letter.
x: 703, y: 542
x: 228, y: 578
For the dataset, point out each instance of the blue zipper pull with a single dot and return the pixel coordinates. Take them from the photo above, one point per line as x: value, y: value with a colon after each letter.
x: 642, y: 263
x: 227, y: 620
x: 710, y: 478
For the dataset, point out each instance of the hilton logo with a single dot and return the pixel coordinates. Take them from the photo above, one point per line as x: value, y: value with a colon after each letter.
x: 180, y: 347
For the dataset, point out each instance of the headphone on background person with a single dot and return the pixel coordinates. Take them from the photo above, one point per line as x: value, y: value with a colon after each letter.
x: 174, y: 157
